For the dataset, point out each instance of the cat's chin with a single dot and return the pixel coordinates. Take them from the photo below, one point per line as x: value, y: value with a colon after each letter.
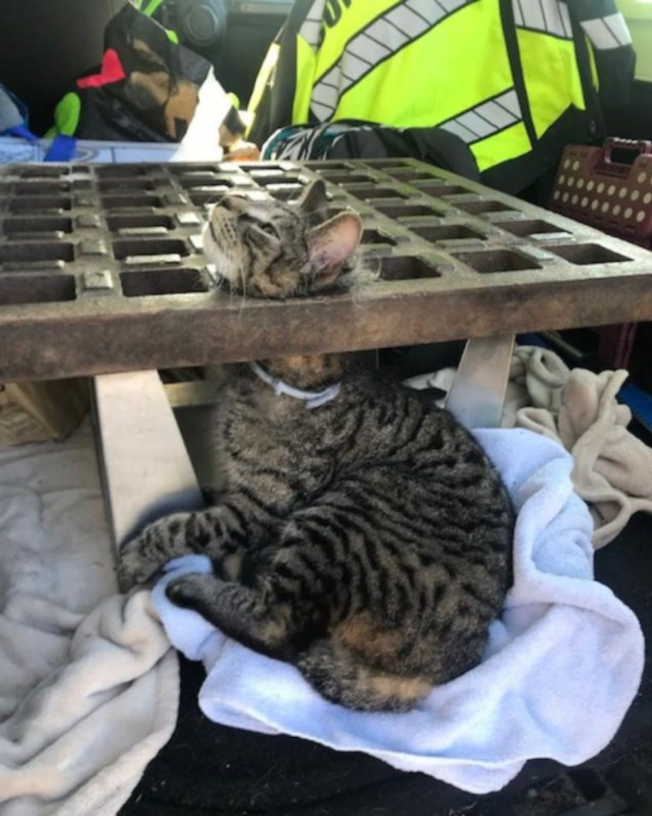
x: 221, y: 281
x: 215, y: 263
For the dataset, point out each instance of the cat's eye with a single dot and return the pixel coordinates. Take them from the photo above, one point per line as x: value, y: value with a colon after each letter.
x: 266, y: 227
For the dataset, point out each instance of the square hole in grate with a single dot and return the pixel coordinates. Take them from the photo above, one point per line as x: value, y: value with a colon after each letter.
x: 138, y: 221
x: 498, y: 260
x: 126, y: 184
x: 410, y: 175
x: 25, y: 252
x: 585, y: 254
x: 394, y: 164
x: 326, y: 167
x: 36, y: 289
x: 406, y: 269
x: 329, y: 212
x: 440, y: 190
x: 477, y: 207
x: 263, y: 169
x: 524, y: 228
x: 130, y: 202
x: 120, y: 171
x: 408, y: 210
x: 186, y: 168
x: 447, y: 232
x: 192, y: 175
x: 147, y: 282
x: 288, y: 192
x: 41, y: 186
x: 274, y: 178
x: 371, y: 193
x: 374, y: 236
x: 43, y: 171
x: 210, y: 180
x: 46, y: 223
x: 39, y: 204
x: 205, y: 199
x: 141, y: 248
x: 347, y: 178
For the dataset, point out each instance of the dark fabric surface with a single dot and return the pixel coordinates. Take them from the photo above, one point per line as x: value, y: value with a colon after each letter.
x: 431, y: 144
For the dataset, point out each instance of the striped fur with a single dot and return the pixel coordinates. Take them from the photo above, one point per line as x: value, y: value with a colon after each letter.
x: 367, y: 541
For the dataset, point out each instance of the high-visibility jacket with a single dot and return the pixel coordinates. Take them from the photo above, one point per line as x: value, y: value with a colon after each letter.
x: 515, y: 79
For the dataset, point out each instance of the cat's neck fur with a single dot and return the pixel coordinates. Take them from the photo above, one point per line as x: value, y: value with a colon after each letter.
x: 309, y: 372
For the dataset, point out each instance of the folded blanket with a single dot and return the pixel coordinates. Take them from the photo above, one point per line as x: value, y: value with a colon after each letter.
x: 564, y: 649
x: 88, y: 684
x: 579, y: 409
x: 612, y: 468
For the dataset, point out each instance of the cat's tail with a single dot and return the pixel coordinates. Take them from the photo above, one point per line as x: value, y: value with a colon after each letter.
x: 341, y: 676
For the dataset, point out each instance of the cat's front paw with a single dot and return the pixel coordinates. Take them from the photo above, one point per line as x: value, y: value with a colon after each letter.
x: 142, y: 557
x: 134, y: 567
x: 193, y: 591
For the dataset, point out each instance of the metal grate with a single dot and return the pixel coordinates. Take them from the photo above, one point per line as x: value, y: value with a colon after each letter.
x: 101, y: 267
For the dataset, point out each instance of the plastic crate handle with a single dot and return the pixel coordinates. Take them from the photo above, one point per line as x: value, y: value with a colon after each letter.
x: 613, y: 143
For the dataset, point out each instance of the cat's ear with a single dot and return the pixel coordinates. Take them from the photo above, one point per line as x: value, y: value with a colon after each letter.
x: 313, y: 200
x: 330, y: 245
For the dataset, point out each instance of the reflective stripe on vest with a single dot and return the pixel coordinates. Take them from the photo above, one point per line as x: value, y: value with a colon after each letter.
x: 547, y: 16
x: 552, y: 17
x: 388, y: 34
x: 311, y: 27
x: 544, y: 56
x: 486, y: 119
x: 607, y: 32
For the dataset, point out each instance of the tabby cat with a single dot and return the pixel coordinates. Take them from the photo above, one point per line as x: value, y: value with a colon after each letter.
x: 361, y: 533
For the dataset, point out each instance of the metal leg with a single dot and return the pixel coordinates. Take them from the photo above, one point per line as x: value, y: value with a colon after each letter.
x: 477, y: 395
x: 145, y: 466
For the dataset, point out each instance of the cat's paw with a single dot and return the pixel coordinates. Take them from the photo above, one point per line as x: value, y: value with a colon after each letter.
x: 134, y: 566
x: 192, y: 591
x: 141, y: 558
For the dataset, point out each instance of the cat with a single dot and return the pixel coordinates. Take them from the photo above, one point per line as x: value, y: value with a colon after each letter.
x: 361, y: 533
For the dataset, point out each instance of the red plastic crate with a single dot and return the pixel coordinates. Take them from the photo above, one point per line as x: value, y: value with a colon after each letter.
x: 616, y: 198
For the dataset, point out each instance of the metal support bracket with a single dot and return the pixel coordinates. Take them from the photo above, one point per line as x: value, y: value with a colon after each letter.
x: 477, y: 395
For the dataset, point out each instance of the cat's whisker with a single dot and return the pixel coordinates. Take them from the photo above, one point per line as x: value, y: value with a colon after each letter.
x: 219, y: 282
x: 243, y: 278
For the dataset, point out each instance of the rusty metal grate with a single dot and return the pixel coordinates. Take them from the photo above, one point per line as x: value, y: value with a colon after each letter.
x: 101, y: 267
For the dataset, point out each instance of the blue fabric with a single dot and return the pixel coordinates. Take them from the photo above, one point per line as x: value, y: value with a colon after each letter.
x: 22, y: 107
x: 62, y: 149
x: 639, y: 401
x: 21, y: 132
x: 15, y: 116
x: 531, y: 339
x: 18, y: 108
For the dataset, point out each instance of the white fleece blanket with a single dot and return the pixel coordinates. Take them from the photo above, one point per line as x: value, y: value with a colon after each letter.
x: 562, y: 667
x: 88, y: 683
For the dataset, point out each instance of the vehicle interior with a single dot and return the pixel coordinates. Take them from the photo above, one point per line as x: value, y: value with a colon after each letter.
x: 209, y: 768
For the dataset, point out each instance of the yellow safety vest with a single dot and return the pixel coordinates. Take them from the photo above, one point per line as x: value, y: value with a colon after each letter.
x: 514, y: 79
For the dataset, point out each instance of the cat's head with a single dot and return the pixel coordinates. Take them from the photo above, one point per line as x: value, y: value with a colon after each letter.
x: 267, y: 249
